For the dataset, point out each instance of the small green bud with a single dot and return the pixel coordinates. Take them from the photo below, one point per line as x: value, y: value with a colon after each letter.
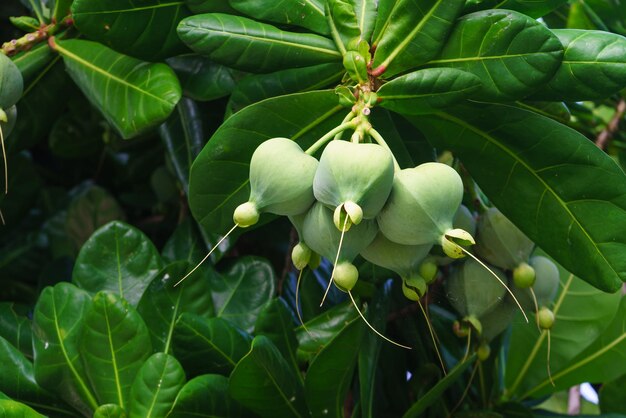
x: 414, y: 288
x: 524, y: 276
x: 483, y: 351
x: 428, y: 270
x: 346, y: 276
x: 460, y: 329
x: 246, y: 215
x: 545, y: 318
x: 475, y: 323
x: 301, y: 255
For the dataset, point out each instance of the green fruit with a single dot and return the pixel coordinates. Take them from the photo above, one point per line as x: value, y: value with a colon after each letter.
x: 354, y: 179
x: 404, y: 260
x: 498, y: 319
x: 463, y: 220
x: 281, y: 181
x: 346, y: 276
x: 414, y: 288
x: 547, y: 279
x: 473, y: 291
x: 11, y: 83
x: 421, y: 207
x: 428, y: 270
x: 483, y: 351
x: 545, y: 318
x: 524, y: 276
x: 301, y: 255
x: 500, y: 242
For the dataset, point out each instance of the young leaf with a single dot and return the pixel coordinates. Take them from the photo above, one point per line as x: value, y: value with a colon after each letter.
x: 512, y: 54
x: 343, y: 23
x: 162, y: 304
x: 248, y: 45
x: 113, y: 346
x: 58, y: 365
x: 207, y: 396
x: 156, y: 386
x: 145, y: 31
x: 133, y: 95
x: 208, y: 345
x: 593, y: 67
x: 264, y: 383
x: 118, y: 258
x: 307, y: 14
x: 219, y: 176
x: 425, y: 91
x: 414, y: 32
x: 240, y: 292
x: 326, y: 397
x: 561, y: 190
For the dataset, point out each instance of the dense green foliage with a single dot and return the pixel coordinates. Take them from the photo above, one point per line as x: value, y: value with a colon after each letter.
x: 457, y: 164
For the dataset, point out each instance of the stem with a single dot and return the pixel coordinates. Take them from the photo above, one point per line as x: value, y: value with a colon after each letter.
x: 379, y: 139
x: 330, y: 135
x: 348, y: 118
x: 605, y: 136
x: 28, y: 40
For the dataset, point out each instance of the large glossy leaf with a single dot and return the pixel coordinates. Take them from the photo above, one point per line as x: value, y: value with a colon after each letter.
x: 511, y: 53
x: 562, y: 191
x: 15, y: 327
x: 308, y: 14
x: 325, y: 396
x: 13, y: 409
x: 208, y: 345
x: 248, y: 45
x: 424, y: 91
x: 219, y: 176
x: 118, y: 258
x: 264, y: 383
x: 133, y: 95
x: 146, y: 30
x: 414, y: 32
x: 207, y: 397
x: 276, y: 322
x: 582, y: 314
x: 593, y: 67
x: 156, y: 386
x: 532, y: 8
x: 162, y: 303
x: 183, y: 136
x: 240, y: 291
x: 607, y: 15
x: 57, y: 325
x: 603, y: 360
x: 255, y: 88
x: 365, y: 16
x: 202, y: 79
x: 185, y: 244
x: 60, y: 9
x: 113, y: 345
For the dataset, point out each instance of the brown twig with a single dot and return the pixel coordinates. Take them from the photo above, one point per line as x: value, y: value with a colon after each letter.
x: 31, y: 39
x: 605, y: 136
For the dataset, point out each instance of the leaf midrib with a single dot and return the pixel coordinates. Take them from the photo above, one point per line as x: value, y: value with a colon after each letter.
x: 490, y: 57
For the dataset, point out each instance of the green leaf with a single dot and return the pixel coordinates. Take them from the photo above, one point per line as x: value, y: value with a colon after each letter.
x: 593, y: 67
x: 118, y: 258
x: 114, y: 344
x: 255, y: 88
x: 77, y: 136
x: 575, y: 194
x: 264, y: 383
x: 612, y: 396
x: 437, y: 391
x: 134, y: 96
x: 146, y: 30
x: 219, y: 176
x: 343, y: 23
x: 210, y: 6
x: 57, y: 325
x: 185, y: 244
x: 573, y: 330
x: 240, y: 292
x: 60, y: 9
x: 248, y: 45
x: 208, y: 345
x: 109, y: 410
x: 307, y: 14
x: 414, y: 31
x: 15, y: 327
x: 555, y: 110
x: 425, y: 91
x: 162, y: 303
x: 202, y: 79
x: 156, y: 386
x: 532, y: 8
x: 366, y: 16
x: 12, y: 409
x: 276, y: 322
x: 325, y: 396
x: 32, y: 62
x: 207, y: 397
x: 512, y: 54
x: 183, y: 136
x: 322, y: 329
x: 610, y: 14
x: 87, y: 212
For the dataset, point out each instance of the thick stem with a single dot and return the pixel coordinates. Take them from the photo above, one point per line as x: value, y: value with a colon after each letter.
x: 29, y: 40
x: 381, y: 141
x: 330, y: 135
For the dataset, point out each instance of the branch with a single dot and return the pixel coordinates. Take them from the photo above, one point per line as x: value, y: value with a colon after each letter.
x: 31, y: 39
x: 605, y: 136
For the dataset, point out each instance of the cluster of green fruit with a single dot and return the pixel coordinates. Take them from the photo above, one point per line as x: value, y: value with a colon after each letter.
x: 357, y: 201
x: 11, y: 86
x: 482, y: 303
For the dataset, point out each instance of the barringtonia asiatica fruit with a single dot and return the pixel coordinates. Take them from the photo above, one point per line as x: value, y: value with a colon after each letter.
x: 281, y: 181
x: 354, y: 180
x: 11, y: 83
